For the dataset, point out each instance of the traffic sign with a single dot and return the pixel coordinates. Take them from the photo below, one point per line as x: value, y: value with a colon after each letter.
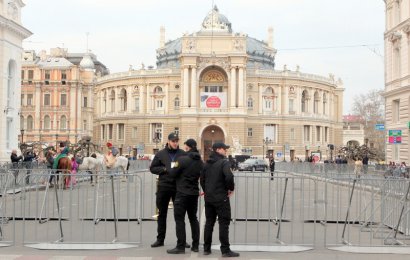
x: 395, y: 136
x: 379, y: 127
x: 278, y: 154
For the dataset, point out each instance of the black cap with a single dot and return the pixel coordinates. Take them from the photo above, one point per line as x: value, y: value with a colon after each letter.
x: 62, y: 144
x: 173, y: 137
x: 220, y: 145
x: 191, y: 143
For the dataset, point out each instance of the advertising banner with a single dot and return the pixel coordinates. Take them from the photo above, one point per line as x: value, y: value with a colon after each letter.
x: 213, y: 100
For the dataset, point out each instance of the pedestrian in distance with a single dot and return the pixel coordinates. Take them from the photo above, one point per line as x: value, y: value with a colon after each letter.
x: 272, y: 167
x: 161, y: 165
x: 218, y: 184
x: 186, y: 172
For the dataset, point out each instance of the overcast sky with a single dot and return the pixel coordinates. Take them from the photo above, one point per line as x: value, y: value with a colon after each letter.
x: 344, y: 38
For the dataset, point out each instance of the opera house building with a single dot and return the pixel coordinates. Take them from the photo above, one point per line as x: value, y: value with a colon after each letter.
x: 217, y: 85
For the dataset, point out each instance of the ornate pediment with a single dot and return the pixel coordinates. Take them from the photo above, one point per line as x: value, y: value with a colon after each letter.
x: 213, y: 61
x: 213, y: 76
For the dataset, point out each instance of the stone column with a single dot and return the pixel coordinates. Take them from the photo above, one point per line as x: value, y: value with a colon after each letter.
x: 141, y: 100
x: 148, y: 101
x: 166, y: 99
x: 37, y: 101
x: 241, y: 90
x: 260, y: 99
x: 194, y: 90
x: 233, y: 88
x: 185, y: 93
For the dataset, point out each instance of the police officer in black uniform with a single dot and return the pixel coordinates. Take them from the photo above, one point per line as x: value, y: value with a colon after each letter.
x: 161, y: 165
x: 218, y: 184
x: 186, y: 172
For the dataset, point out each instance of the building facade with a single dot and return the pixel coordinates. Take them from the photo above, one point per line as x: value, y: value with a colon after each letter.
x: 216, y: 85
x: 397, y: 79
x: 57, y: 95
x: 12, y: 33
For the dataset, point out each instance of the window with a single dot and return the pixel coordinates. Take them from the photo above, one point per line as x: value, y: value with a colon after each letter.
x: 63, y: 123
x: 306, y: 133
x: 176, y: 103
x: 176, y: 131
x: 292, y: 134
x: 326, y: 134
x: 47, y: 77
x: 85, y: 102
x: 156, y: 131
x: 47, y: 123
x: 396, y: 111
x: 46, y: 99
x: 396, y: 152
x: 22, y: 100
x: 63, y: 99
x: 29, y: 123
x: 29, y: 99
x: 291, y: 106
x: 85, y: 125
x: 121, y: 131
x: 317, y: 133
x: 158, y: 103
x: 110, y: 127
x: 134, y: 132
x: 157, y: 89
x: 268, y: 97
x: 396, y: 62
x: 270, y: 132
x: 63, y: 75
x: 137, y: 104
x: 30, y: 76
x: 250, y: 132
x: 22, y: 75
x: 250, y: 103
x: 102, y: 132
x: 213, y: 89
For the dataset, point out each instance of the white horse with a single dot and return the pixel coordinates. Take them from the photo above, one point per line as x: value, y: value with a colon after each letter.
x: 92, y: 165
x: 120, y: 165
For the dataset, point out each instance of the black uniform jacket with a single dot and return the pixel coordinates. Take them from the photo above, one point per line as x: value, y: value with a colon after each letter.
x: 217, y: 178
x: 187, y: 171
x: 161, y: 165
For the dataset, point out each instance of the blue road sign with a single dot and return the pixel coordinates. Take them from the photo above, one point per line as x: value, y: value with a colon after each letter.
x: 278, y: 154
x: 379, y: 127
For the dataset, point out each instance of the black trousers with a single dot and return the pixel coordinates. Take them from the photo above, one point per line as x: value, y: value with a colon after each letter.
x: 186, y: 204
x: 162, y: 201
x: 223, y: 211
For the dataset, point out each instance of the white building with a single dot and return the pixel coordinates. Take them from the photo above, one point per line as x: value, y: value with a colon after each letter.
x: 397, y: 73
x: 12, y: 34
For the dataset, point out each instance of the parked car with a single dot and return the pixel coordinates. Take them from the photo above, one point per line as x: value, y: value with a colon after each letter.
x: 253, y: 165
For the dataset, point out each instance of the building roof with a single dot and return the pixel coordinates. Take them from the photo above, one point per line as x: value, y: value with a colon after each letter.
x: 54, y: 62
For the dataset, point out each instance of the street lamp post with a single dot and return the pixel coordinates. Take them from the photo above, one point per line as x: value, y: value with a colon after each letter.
x: 265, y: 142
x: 56, y: 142
x: 22, y: 137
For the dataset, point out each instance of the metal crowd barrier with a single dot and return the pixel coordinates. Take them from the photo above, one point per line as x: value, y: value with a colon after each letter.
x: 52, y: 215
x: 289, y: 212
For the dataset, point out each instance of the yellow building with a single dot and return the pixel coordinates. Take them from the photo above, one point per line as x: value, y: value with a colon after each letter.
x: 218, y: 85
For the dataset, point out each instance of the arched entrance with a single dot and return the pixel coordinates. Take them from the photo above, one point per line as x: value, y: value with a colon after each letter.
x: 210, y: 135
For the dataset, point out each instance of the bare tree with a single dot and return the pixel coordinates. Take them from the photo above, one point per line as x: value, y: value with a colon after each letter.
x: 370, y: 109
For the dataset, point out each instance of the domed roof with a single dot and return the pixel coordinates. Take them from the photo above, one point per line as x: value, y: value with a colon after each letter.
x: 215, y: 21
x: 87, y: 63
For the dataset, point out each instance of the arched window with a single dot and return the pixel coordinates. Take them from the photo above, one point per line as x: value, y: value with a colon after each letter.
x: 123, y: 99
x: 63, y: 123
x: 157, y: 89
x: 29, y: 123
x: 112, y: 98
x: 304, y: 101
x: 250, y: 103
x: 47, y: 123
x: 324, y: 103
x: 176, y: 103
x: 316, y: 103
